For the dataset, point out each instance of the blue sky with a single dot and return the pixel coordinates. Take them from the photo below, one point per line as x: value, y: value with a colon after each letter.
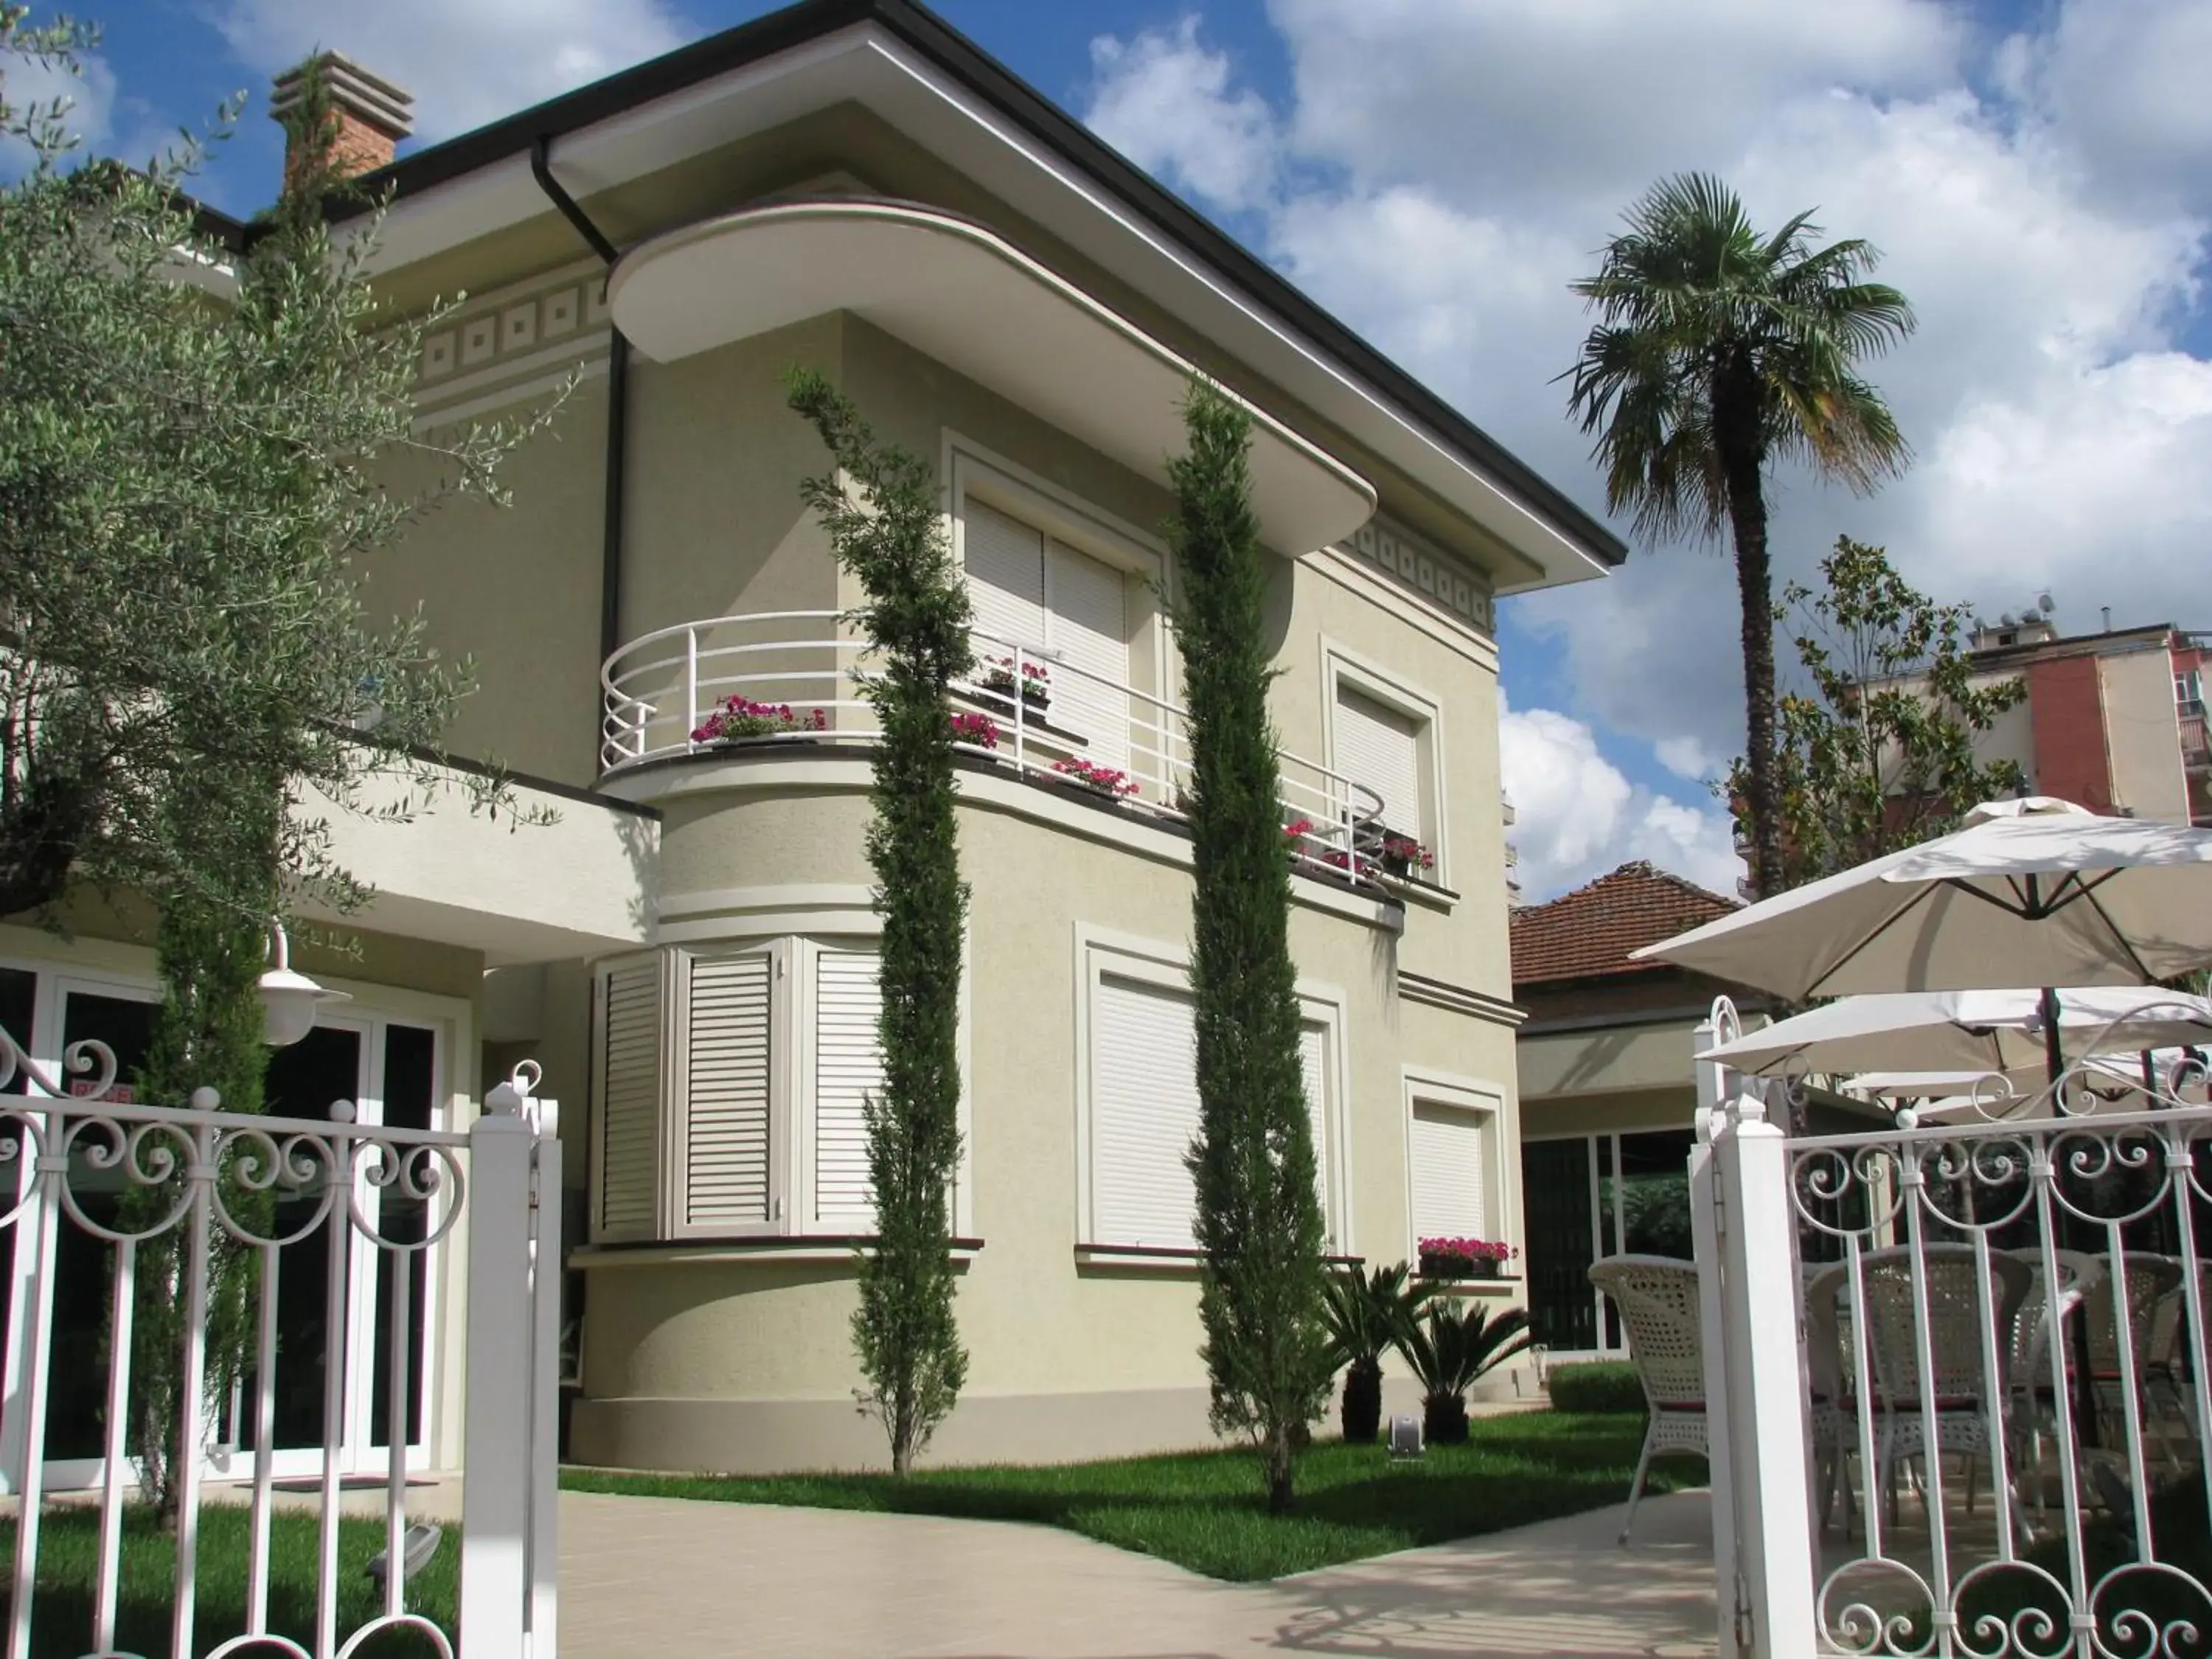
x: 2038, y: 174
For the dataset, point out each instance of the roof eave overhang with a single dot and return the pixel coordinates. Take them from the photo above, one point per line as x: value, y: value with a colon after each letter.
x: 927, y: 81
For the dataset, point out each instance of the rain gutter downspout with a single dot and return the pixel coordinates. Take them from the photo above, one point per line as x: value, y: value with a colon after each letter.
x: 611, y: 549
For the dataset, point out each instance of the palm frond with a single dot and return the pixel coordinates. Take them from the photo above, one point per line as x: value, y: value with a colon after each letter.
x: 1690, y: 293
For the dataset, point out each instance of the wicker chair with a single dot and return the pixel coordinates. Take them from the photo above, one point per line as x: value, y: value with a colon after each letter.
x: 1965, y: 1398
x: 2033, y: 1329
x: 2152, y: 1280
x: 1657, y: 1296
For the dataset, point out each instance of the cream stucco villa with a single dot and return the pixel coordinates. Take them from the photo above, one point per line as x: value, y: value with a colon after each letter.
x: 851, y: 185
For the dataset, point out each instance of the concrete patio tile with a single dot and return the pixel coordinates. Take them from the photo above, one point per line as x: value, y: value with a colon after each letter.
x: 643, y: 1575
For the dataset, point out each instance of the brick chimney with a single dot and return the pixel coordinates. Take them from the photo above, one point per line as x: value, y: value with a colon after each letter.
x: 370, y: 113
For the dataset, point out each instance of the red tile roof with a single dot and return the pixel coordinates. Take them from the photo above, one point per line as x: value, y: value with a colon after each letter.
x: 1591, y: 931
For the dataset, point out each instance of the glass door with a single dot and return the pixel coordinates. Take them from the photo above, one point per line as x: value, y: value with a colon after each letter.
x: 389, y: 1071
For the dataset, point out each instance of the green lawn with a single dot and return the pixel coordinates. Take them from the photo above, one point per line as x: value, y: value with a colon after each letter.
x: 69, y: 1541
x: 1203, y: 1509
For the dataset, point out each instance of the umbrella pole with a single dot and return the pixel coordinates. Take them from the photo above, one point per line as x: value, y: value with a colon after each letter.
x: 2085, y: 1385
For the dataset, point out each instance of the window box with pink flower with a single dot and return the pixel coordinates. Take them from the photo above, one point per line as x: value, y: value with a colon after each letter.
x: 736, y: 720
x: 1465, y: 1258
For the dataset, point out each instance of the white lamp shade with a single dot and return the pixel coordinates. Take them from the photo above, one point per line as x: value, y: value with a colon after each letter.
x: 288, y: 1001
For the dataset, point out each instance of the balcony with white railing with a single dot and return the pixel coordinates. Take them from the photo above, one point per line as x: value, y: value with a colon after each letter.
x: 796, y: 681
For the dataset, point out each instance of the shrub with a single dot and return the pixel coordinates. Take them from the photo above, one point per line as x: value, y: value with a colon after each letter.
x: 1450, y: 1352
x: 1366, y: 1313
x: 1598, y: 1387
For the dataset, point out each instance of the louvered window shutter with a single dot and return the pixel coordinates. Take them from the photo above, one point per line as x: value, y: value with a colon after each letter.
x: 1313, y: 1047
x: 1005, y: 579
x: 849, y: 1068
x: 1380, y: 748
x: 1447, y: 1153
x: 630, y: 1041
x: 728, y: 1078
x: 1144, y: 1109
x: 1088, y: 631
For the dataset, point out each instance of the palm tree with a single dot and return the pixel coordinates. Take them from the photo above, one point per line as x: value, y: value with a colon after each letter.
x: 1718, y: 352
x: 1450, y: 1352
x: 1366, y: 1314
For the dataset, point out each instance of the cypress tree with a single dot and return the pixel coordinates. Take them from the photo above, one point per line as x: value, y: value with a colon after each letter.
x: 1259, y: 1218
x: 885, y: 530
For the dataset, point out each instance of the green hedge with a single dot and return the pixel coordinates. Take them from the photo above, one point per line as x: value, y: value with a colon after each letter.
x: 1596, y: 1388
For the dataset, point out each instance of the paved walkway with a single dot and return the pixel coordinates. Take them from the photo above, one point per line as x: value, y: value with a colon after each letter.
x: 654, y: 1576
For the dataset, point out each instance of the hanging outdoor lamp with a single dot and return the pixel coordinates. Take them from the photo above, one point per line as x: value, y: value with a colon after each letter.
x: 288, y: 999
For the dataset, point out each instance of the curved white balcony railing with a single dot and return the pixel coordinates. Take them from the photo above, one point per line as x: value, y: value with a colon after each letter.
x: 797, y: 677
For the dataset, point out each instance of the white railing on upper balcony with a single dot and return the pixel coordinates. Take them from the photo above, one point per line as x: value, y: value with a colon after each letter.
x: 798, y: 677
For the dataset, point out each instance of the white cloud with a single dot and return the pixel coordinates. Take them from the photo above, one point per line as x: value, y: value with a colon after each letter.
x: 1576, y: 816
x: 1164, y: 101
x: 1686, y: 757
x: 33, y: 84
x: 467, y: 62
x: 1444, y: 167
x: 2126, y: 79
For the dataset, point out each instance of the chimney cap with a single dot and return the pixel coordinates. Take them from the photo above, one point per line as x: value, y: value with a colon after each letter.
x: 357, y: 91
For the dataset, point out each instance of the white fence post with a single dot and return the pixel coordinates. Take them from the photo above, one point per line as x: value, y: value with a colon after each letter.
x: 545, y: 1401
x: 1758, y: 1355
x: 1705, y: 1232
x: 496, y: 1485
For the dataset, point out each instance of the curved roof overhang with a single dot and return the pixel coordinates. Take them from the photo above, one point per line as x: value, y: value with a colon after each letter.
x: 962, y: 294
x: 908, y: 68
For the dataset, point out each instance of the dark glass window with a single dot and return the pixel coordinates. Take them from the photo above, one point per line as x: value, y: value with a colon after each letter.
x: 77, y: 1393
x: 1555, y: 1192
x: 409, y: 1077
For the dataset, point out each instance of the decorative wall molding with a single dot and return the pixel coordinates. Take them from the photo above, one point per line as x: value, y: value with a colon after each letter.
x: 511, y: 332
x: 1421, y: 568
x: 1458, y: 998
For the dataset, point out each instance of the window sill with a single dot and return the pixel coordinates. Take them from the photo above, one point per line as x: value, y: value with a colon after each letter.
x: 1503, y: 1285
x: 775, y: 1251
x: 1152, y: 1258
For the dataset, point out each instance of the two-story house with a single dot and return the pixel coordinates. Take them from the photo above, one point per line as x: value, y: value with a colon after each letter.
x: 852, y: 185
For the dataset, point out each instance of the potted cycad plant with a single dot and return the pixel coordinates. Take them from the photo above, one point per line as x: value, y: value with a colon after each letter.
x: 1366, y: 1313
x: 1449, y: 1351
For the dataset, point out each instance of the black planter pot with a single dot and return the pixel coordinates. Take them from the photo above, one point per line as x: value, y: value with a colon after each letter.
x: 1036, y: 704
x: 1444, y: 1419
x: 1362, y: 1412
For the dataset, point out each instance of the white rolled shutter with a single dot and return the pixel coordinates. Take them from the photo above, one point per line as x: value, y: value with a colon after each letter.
x: 1005, y: 578
x: 1313, y: 1048
x: 848, y: 1067
x: 1087, y: 629
x: 1380, y: 748
x: 630, y: 1020
x: 1144, y: 1112
x: 728, y: 1084
x: 1447, y: 1155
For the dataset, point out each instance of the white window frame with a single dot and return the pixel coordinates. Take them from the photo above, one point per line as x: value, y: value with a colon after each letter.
x: 791, y: 1157
x: 1063, y: 516
x: 1478, y: 1098
x: 1102, y: 954
x: 1344, y: 669
x: 675, y: 1098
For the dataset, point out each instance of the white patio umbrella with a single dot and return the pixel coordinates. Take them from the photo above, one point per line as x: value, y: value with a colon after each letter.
x: 2026, y: 893
x: 2032, y: 893
x: 1964, y: 1036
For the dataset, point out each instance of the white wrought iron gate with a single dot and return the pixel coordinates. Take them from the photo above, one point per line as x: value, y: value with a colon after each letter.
x: 1957, y: 1372
x: 199, y: 1205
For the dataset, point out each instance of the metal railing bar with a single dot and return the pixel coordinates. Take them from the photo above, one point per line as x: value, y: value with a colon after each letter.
x: 191, y: 1390
x: 122, y: 1309
x: 264, y: 1426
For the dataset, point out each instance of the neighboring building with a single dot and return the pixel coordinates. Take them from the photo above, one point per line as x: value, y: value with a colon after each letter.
x: 2113, y: 721
x: 689, y: 951
x: 1608, y: 1090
